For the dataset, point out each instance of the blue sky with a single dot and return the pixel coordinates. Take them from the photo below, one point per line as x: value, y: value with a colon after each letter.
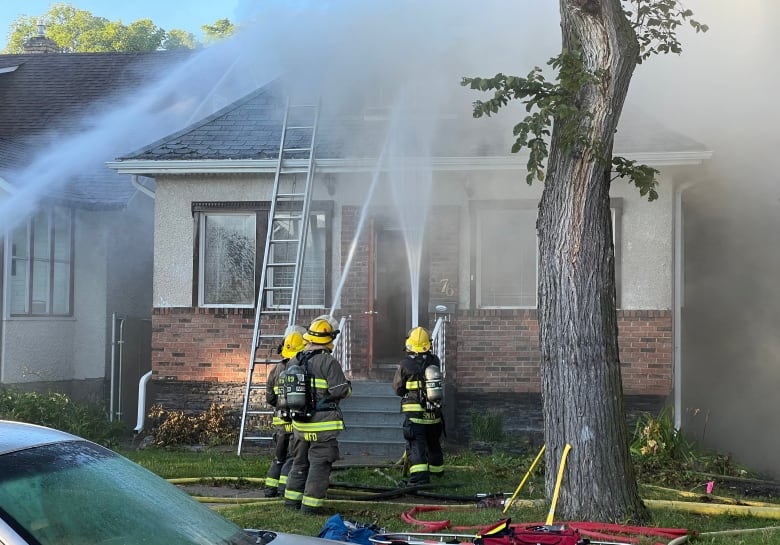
x: 187, y: 15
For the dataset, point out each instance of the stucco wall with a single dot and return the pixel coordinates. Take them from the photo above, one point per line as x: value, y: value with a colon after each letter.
x: 174, y: 228
x: 52, y: 349
x: 646, y: 247
x: 646, y: 229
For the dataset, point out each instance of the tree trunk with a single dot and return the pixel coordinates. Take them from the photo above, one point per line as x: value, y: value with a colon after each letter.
x: 580, y: 368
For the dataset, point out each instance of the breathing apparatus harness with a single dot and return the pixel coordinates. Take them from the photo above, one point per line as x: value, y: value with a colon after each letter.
x: 281, y: 401
x: 429, y: 380
x: 299, y: 392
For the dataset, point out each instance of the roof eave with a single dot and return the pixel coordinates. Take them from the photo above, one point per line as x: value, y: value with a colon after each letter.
x: 145, y: 167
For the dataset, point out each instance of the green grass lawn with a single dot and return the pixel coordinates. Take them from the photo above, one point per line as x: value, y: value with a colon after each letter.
x: 468, y: 477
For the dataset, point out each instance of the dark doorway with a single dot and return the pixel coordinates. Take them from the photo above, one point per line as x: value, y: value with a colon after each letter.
x: 392, y: 295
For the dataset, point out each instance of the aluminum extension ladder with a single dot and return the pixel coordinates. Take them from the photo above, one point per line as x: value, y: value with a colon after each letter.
x: 280, y: 277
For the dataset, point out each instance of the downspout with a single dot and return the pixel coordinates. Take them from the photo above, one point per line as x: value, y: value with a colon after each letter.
x: 142, y: 401
x: 141, y: 415
x: 679, y: 293
x: 140, y: 187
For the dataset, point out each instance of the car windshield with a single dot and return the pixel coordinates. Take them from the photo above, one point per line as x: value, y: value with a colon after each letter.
x: 79, y: 493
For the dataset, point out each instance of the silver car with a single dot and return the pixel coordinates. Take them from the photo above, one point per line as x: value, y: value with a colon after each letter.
x: 59, y: 489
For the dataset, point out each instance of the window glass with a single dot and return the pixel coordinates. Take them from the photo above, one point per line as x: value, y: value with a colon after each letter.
x: 228, y: 259
x: 231, y: 256
x: 62, y: 258
x: 74, y: 492
x: 20, y: 270
x: 313, y: 273
x: 506, y: 249
x: 42, y: 265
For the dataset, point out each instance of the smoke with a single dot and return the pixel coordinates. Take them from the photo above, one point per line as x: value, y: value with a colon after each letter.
x: 721, y: 91
x: 336, y: 48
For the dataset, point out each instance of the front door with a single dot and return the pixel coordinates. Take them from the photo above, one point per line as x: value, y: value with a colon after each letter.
x: 391, y: 312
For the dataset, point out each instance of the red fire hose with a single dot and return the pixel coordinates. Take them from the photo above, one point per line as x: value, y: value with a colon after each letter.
x: 593, y: 530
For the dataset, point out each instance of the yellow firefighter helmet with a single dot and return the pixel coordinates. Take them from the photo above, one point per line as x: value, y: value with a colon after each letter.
x: 418, y: 341
x: 293, y: 341
x: 321, y: 331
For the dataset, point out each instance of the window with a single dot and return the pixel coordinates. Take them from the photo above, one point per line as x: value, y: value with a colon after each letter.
x: 41, y: 265
x: 506, y: 251
x: 231, y: 239
x: 228, y: 256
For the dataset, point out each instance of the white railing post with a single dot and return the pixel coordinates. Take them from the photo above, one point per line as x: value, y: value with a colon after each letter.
x: 438, y: 338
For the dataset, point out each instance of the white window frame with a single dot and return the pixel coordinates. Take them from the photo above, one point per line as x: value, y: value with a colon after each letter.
x: 51, y: 258
x: 485, y: 207
x: 488, y: 207
x: 260, y: 211
x: 202, y: 261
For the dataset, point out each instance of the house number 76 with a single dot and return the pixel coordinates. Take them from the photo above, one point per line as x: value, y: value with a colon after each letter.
x: 446, y: 289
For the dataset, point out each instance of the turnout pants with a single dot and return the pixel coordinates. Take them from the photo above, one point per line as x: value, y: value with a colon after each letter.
x: 423, y: 447
x: 276, y: 479
x: 309, y: 477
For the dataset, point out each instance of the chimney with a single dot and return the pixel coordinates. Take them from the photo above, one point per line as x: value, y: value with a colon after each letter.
x: 40, y: 43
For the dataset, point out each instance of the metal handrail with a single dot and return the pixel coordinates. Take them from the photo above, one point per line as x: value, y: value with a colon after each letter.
x: 342, y: 345
x: 439, y: 344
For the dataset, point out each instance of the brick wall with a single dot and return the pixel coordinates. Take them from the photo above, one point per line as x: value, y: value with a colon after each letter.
x: 498, y: 350
x: 521, y: 414
x: 209, y: 345
x: 201, y: 355
x: 355, y: 292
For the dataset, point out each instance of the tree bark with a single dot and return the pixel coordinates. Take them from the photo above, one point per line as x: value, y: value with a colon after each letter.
x: 580, y: 369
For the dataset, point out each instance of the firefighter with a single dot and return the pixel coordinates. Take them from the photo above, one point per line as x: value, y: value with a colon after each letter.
x: 316, y: 426
x: 418, y: 382
x: 276, y: 479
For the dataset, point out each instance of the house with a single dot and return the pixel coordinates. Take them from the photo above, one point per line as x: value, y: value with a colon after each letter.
x: 475, y: 245
x: 75, y: 239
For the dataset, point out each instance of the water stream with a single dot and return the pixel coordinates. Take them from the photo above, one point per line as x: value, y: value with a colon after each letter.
x: 405, y: 163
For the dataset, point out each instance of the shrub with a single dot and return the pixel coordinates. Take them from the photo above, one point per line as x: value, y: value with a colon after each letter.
x: 58, y: 411
x: 175, y: 428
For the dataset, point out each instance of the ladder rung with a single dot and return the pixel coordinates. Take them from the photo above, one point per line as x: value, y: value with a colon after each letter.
x: 271, y: 312
x: 299, y: 127
x: 291, y: 150
x: 294, y: 170
x: 284, y: 241
x: 290, y: 195
x: 279, y: 288
x: 281, y: 264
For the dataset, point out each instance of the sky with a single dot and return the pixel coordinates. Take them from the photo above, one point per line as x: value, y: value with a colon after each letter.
x: 187, y: 15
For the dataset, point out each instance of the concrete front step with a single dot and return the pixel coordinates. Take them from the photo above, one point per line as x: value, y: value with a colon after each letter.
x: 391, y: 451
x: 372, y: 388
x: 372, y: 417
x: 372, y: 420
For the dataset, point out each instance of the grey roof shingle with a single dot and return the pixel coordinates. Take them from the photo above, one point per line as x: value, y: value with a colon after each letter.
x: 251, y: 127
x: 48, y: 96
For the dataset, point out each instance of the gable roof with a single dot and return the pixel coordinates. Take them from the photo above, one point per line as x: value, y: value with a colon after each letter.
x: 48, y: 96
x: 250, y: 129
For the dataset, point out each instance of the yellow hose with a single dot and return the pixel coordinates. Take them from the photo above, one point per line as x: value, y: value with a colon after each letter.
x: 740, y: 531
x: 719, y: 499
x: 716, y: 509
